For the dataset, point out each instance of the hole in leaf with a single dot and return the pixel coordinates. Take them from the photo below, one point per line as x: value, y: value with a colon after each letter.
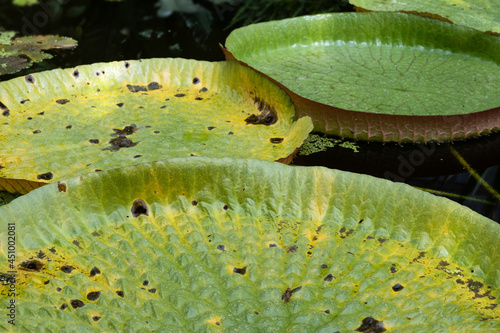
x: 139, y: 207
x: 94, y: 141
x: 145, y: 283
x: 221, y: 248
x: 120, y: 104
x: 76, y: 74
x: 196, y: 80
x: 152, y: 290
x: 194, y: 202
x: 203, y: 89
x: 96, y: 318
x: 127, y: 64
x: 120, y: 293
x: 63, y: 307
x: 180, y: 95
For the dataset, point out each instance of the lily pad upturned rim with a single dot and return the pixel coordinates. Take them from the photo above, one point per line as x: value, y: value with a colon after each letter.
x: 229, y: 188
x: 84, y: 107
x: 359, y: 124
x: 468, y: 13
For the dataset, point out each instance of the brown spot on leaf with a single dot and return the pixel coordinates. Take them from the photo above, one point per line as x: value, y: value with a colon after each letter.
x: 180, y: 95
x: 292, y: 248
x: 45, y: 176
x: 94, y: 271
x: 153, y: 86
x: 241, y: 271
x: 152, y: 290
x: 276, y: 140
x: 67, y: 269
x: 121, y: 142
x: 397, y: 287
x: 76, y: 303
x: 32, y: 265
x: 61, y: 187
x: 4, y: 109
x: 127, y: 130
x: 62, y: 101
x: 37, y: 131
x: 268, y: 115
x: 288, y: 293
x: 94, y: 141
x: 329, y: 277
x: 93, y: 295
x: 139, y: 207
x: 30, y: 79
x: 371, y: 325
x: 136, y: 88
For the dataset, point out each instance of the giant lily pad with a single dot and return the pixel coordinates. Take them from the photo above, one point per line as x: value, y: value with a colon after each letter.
x: 380, y: 76
x: 482, y: 15
x: 225, y: 245
x: 63, y: 123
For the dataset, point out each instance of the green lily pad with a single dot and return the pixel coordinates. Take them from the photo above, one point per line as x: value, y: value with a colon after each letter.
x: 226, y: 245
x: 481, y: 15
x: 380, y: 76
x: 13, y: 50
x: 67, y: 122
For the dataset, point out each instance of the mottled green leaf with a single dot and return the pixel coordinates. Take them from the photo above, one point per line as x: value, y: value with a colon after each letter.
x: 67, y: 122
x: 225, y: 245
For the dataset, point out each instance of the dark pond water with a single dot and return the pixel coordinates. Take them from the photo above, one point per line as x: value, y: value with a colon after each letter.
x: 110, y: 31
